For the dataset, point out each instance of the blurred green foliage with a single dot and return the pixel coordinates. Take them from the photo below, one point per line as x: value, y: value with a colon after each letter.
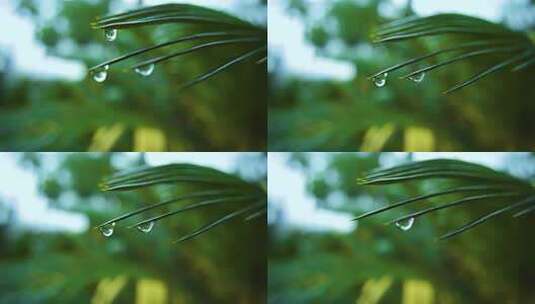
x: 129, y: 266
x: 376, y: 263
x: 328, y: 115
x: 128, y: 112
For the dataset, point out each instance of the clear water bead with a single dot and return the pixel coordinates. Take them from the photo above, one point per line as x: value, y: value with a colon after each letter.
x: 100, y: 75
x: 405, y: 224
x: 418, y: 77
x: 380, y: 80
x: 146, y: 227
x: 107, y: 230
x: 110, y: 34
x: 145, y: 70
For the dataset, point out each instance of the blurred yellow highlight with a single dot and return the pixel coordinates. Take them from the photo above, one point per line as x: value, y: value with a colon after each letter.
x: 149, y: 139
x: 531, y: 36
x: 418, y: 139
x: 151, y: 292
x: 108, y: 289
x: 373, y: 290
x: 418, y: 292
x: 376, y: 138
x: 105, y: 138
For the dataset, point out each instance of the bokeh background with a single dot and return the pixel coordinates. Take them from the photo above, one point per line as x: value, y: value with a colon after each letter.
x: 51, y: 253
x: 320, y: 55
x: 317, y: 254
x: 49, y: 103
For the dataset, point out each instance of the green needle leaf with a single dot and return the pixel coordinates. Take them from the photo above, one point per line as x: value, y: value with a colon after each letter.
x: 220, y: 221
x: 487, y: 217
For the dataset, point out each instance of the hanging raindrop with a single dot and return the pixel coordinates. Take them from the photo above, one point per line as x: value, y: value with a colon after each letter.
x: 380, y: 80
x: 146, y: 227
x: 107, y: 230
x: 145, y: 70
x: 101, y: 74
x: 405, y: 224
x: 110, y: 34
x: 417, y: 77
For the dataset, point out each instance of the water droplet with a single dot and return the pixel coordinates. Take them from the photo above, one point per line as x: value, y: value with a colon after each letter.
x: 418, y: 77
x: 405, y: 224
x: 110, y: 34
x: 145, y: 70
x: 380, y: 80
x: 107, y: 230
x: 101, y: 74
x: 146, y: 227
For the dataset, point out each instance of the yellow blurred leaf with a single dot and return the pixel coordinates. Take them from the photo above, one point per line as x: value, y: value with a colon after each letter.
x: 105, y: 138
x: 108, y: 289
x: 151, y: 292
x: 373, y: 290
x: 376, y: 138
x: 531, y: 35
x: 148, y: 139
x: 418, y: 292
x: 418, y: 139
